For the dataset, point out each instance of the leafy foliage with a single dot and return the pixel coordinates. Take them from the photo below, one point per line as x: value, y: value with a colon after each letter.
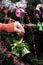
x: 20, y: 48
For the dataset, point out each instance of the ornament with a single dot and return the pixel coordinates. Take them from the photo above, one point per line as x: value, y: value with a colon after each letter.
x: 25, y: 51
x: 40, y: 28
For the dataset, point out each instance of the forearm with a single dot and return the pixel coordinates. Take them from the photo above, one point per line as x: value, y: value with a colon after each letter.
x: 8, y: 27
x: 12, y: 27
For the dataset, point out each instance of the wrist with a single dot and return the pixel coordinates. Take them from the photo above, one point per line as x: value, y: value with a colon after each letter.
x: 1, y: 27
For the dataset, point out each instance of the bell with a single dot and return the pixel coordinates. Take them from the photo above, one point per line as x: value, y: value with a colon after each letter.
x: 40, y: 28
x: 25, y: 51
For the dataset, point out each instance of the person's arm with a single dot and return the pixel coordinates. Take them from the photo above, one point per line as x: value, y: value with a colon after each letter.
x: 8, y: 27
x: 12, y: 27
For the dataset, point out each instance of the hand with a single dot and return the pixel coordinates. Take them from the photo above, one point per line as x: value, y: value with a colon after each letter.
x: 19, y: 28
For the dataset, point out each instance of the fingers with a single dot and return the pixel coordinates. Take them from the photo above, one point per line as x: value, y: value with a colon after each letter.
x: 19, y: 31
x: 19, y: 28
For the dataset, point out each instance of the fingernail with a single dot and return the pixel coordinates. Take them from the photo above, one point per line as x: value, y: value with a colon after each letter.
x: 22, y: 32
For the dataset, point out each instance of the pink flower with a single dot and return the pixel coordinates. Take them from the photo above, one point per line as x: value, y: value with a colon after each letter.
x: 18, y: 13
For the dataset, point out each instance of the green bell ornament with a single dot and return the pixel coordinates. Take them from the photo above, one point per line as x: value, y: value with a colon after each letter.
x: 40, y: 25
x: 25, y: 51
x: 40, y: 28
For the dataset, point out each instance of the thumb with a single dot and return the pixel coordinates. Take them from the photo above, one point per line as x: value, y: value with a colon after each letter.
x: 20, y: 31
